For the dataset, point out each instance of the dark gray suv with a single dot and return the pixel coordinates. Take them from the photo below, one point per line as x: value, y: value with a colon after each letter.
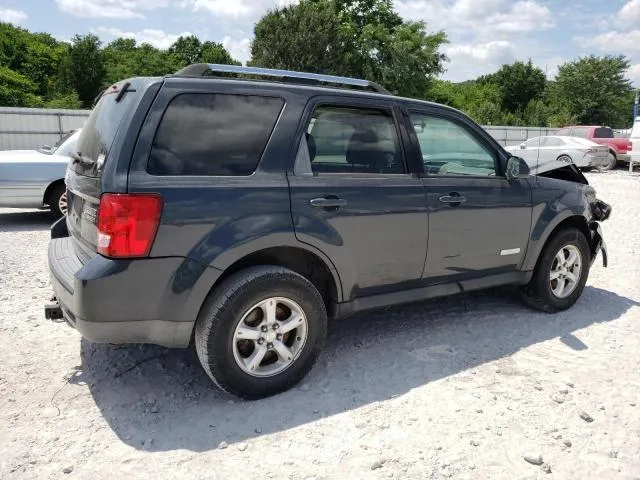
x: 214, y: 207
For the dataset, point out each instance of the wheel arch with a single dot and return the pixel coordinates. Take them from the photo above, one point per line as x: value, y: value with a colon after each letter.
x: 576, y: 221
x: 50, y: 188
x: 298, y: 259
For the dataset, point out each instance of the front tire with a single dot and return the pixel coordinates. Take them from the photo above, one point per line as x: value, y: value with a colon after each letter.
x: 561, y: 272
x: 260, y: 332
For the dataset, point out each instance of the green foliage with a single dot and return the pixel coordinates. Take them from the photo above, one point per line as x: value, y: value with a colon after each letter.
x: 356, y: 38
x: 83, y: 69
x: 188, y: 50
x: 68, y: 100
x: 596, y: 90
x: 16, y: 90
x: 520, y: 83
x: 36, y: 70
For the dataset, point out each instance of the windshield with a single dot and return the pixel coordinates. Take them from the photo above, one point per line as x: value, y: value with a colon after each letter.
x: 99, y: 132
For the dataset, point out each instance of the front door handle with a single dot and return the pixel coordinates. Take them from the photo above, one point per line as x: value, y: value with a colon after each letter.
x: 330, y: 203
x: 453, y: 199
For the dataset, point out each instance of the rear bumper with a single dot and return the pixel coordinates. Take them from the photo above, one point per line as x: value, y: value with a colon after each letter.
x: 129, y: 301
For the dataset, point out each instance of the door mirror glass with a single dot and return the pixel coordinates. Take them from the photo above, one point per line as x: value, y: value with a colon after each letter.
x: 517, y: 168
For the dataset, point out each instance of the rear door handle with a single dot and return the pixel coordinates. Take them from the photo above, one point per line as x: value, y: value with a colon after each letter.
x: 328, y: 202
x: 452, y: 199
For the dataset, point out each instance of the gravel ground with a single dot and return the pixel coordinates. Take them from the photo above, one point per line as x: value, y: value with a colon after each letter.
x: 436, y: 390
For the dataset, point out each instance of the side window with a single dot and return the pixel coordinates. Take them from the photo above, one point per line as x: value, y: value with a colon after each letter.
x: 553, y: 142
x: 207, y: 134
x: 603, y: 132
x: 534, y: 142
x: 449, y: 149
x: 353, y: 140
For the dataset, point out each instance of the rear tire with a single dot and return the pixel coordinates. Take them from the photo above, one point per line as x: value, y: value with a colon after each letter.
x: 544, y: 291
x: 58, y: 200
x: 255, y: 366
x: 613, y: 162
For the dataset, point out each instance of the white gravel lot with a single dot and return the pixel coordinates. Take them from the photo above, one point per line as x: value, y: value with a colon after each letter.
x: 426, y: 391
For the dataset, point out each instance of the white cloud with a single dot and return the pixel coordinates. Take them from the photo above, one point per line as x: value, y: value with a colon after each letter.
x: 630, y: 12
x: 470, y: 60
x: 484, y: 34
x: 239, y: 49
x: 483, y: 18
x: 12, y: 16
x: 119, y: 9
x: 614, y: 42
x: 234, y: 8
x: 157, y: 38
x: 634, y: 74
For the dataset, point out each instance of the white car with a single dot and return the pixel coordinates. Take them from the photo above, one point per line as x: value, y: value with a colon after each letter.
x: 548, y: 153
x: 35, y: 178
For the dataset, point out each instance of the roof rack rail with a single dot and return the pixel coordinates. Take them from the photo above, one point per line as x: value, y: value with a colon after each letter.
x: 287, y: 76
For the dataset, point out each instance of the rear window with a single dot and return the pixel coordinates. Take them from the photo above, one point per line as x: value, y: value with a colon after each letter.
x: 98, y: 133
x: 603, y: 132
x: 213, y: 134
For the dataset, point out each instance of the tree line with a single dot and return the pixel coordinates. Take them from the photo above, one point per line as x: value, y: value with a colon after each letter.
x: 355, y: 38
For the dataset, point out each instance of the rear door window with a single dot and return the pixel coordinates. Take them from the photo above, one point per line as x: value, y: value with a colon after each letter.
x: 213, y: 134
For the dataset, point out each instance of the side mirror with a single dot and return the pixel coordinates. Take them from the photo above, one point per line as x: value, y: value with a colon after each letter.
x: 517, y: 168
x: 523, y: 146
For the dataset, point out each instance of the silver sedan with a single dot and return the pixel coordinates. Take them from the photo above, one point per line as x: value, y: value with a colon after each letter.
x: 35, y: 178
x: 548, y: 153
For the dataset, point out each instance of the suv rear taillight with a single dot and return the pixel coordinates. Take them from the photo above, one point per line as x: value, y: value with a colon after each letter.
x: 127, y: 224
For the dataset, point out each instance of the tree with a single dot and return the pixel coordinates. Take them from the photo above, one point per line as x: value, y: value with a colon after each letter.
x: 520, y: 84
x: 356, y: 38
x: 212, y: 52
x: 83, y: 70
x: 596, y: 90
x: 125, y: 59
x: 187, y: 50
x: 16, y: 90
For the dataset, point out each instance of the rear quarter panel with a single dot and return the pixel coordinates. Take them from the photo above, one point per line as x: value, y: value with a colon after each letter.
x: 213, y: 221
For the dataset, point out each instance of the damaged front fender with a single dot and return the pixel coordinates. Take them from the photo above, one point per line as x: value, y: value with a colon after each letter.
x: 598, y: 245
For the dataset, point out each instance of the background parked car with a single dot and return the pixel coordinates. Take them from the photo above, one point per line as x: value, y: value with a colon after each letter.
x: 634, y: 143
x: 618, y: 147
x: 35, y: 178
x: 543, y: 154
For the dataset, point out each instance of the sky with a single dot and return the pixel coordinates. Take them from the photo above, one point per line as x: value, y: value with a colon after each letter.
x: 483, y: 34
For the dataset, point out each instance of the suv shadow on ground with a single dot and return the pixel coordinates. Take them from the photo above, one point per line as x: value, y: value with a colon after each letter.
x: 26, y: 221
x: 157, y: 399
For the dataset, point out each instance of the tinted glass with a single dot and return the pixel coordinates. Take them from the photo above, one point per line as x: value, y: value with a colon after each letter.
x: 449, y: 149
x: 206, y: 134
x: 603, y: 132
x: 98, y: 133
x: 354, y: 140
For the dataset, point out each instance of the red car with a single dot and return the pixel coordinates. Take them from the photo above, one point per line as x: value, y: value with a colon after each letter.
x: 618, y: 147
